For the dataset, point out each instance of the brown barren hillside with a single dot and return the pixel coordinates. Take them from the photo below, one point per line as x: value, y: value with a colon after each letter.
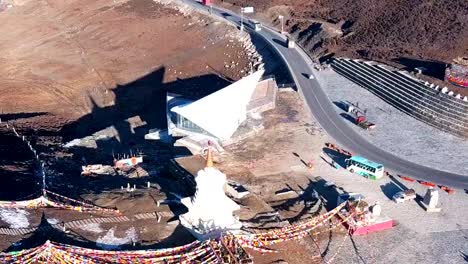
x: 427, y: 29
x: 63, y: 59
x: 410, y: 33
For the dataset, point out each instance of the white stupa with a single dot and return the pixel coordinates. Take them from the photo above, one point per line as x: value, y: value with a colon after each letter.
x: 210, y: 211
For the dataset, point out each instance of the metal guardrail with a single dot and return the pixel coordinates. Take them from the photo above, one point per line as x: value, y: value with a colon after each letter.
x: 287, y: 85
x: 266, y: 77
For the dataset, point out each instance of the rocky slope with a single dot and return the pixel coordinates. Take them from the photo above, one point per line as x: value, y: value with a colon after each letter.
x: 373, y: 29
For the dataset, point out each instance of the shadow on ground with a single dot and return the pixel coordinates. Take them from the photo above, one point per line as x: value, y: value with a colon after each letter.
x: 275, y: 64
x: 338, y: 158
x: 434, y: 69
x: 348, y: 118
x: 397, y: 182
x: 341, y: 105
x: 46, y: 231
x: 16, y: 116
x: 390, y: 189
x: 145, y: 98
x: 328, y: 192
x: 18, y: 168
x: 309, y: 197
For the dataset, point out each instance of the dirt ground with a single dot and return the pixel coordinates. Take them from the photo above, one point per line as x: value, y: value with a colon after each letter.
x: 273, y: 163
x: 62, y: 60
x: 425, y: 29
x: 80, y: 70
x: 261, y: 154
x: 72, y: 68
x: 405, y: 34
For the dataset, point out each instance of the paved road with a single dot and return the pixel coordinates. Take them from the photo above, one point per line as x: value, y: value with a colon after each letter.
x: 324, y: 112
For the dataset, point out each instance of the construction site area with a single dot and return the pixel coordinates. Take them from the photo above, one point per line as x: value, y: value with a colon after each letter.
x: 148, y: 131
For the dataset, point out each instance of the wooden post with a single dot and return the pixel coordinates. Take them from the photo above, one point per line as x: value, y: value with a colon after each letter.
x: 158, y: 217
x: 229, y: 251
x: 214, y: 251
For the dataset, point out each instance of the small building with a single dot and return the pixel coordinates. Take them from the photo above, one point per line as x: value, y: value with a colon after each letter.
x: 360, y: 218
x: 218, y: 116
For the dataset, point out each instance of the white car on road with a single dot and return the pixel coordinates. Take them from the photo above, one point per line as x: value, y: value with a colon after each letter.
x: 403, y: 196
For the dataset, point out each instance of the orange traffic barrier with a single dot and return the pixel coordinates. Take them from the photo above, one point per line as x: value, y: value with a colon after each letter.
x: 451, y: 191
x: 406, y: 178
x: 428, y: 184
x: 331, y: 146
x: 347, y: 153
x: 447, y: 189
x: 387, y: 173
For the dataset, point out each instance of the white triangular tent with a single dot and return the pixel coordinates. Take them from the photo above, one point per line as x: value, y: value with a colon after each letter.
x: 221, y: 113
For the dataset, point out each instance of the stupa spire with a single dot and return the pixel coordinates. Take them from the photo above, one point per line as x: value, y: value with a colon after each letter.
x: 209, y: 156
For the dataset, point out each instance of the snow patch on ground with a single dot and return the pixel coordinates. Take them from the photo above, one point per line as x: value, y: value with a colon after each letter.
x: 93, y: 228
x: 109, y: 241
x: 16, y: 218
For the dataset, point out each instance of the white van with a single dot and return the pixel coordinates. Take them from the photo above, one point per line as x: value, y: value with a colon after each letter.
x: 256, y: 25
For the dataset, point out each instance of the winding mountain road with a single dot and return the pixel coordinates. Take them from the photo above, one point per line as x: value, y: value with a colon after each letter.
x: 323, y: 110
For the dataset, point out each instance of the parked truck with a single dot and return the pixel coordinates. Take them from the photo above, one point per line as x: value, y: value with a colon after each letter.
x: 358, y: 115
x: 361, y: 121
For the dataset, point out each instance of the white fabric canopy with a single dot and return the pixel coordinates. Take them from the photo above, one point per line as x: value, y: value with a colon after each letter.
x: 222, y: 112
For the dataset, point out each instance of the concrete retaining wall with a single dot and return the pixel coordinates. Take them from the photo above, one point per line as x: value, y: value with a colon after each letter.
x: 409, y: 95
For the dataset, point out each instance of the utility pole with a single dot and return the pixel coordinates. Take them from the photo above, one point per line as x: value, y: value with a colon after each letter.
x: 282, y: 27
x: 242, y: 19
x: 247, y: 10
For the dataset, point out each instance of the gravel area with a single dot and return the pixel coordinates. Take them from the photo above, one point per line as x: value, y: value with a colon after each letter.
x: 275, y: 159
x: 419, y: 237
x: 276, y: 156
x: 453, y: 216
x: 397, y: 132
x: 401, y: 245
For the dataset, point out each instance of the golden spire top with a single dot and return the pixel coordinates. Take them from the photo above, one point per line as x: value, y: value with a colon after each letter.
x: 209, y: 156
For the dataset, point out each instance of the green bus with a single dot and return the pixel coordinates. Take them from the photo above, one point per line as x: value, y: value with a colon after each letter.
x: 364, y: 167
